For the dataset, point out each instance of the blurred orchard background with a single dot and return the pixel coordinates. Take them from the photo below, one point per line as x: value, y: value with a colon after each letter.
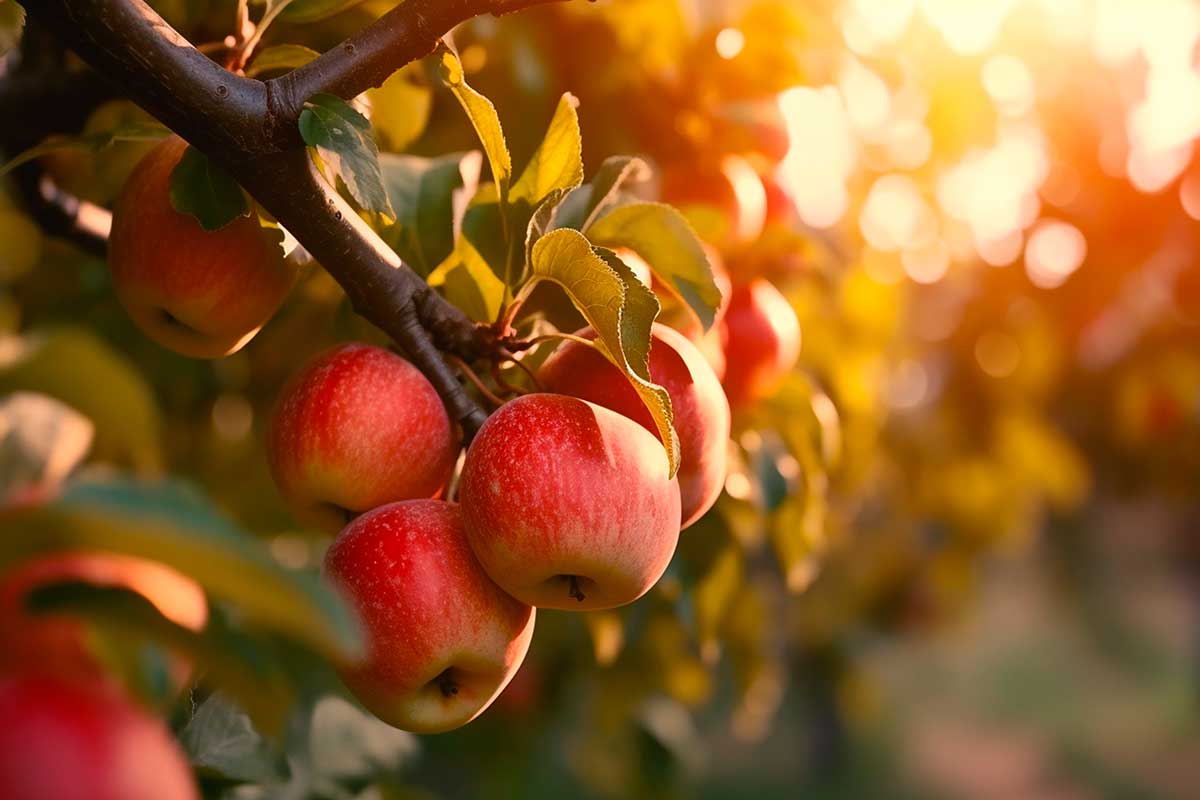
x: 957, y: 554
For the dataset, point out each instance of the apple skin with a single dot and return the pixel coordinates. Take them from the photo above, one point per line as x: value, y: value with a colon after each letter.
x: 762, y: 342
x: 443, y: 640
x: 57, y: 643
x: 200, y: 293
x: 355, y: 428
x: 568, y: 505
x: 83, y: 741
x: 701, y: 410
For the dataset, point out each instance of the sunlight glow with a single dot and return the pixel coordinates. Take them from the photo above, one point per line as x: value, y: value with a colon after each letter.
x: 1055, y: 250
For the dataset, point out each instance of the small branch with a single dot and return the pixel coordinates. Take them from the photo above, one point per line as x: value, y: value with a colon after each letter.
x: 249, y: 128
x: 470, y: 375
x: 58, y: 213
x: 408, y: 32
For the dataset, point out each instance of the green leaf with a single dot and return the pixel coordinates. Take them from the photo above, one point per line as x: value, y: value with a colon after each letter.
x: 544, y: 219
x: 557, y: 164
x: 12, y: 23
x: 204, y: 190
x: 346, y: 743
x: 280, y: 58
x: 400, y: 110
x: 620, y: 314
x: 484, y: 119
x: 594, y: 199
x: 246, y: 665
x: 41, y: 440
x: 300, y: 11
x: 100, y: 382
x: 220, y: 741
x: 429, y: 196
x: 94, y: 142
x: 173, y: 524
x: 343, y: 140
x: 660, y: 234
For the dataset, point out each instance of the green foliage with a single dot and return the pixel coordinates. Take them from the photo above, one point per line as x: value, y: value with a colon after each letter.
x: 221, y: 742
x: 280, y: 58
x: 298, y: 11
x: 206, y: 192
x: 342, y: 138
x: 175, y: 525
x: 400, y: 109
x: 428, y: 195
x: 91, y: 142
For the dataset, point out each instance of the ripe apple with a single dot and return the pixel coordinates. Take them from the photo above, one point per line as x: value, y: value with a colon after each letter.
x: 443, y: 640
x: 727, y: 205
x: 201, y: 293
x: 567, y: 504
x: 58, y: 643
x: 355, y: 428
x: 762, y: 341
x: 701, y: 410
x: 84, y: 741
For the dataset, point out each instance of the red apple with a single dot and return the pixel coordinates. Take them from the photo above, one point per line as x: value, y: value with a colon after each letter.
x: 727, y: 205
x: 84, y: 741
x: 58, y: 643
x: 356, y: 428
x: 201, y: 293
x: 701, y: 410
x: 568, y: 504
x: 762, y: 342
x: 443, y: 640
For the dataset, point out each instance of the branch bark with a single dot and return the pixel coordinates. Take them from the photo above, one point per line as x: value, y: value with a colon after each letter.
x: 249, y: 128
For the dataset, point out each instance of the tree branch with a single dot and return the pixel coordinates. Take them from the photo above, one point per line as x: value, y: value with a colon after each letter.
x: 249, y: 128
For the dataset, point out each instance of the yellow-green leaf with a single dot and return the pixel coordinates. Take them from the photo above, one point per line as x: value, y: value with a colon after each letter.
x: 558, y: 161
x: 484, y: 119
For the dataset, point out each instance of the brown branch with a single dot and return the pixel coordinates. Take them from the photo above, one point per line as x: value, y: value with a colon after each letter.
x: 249, y: 128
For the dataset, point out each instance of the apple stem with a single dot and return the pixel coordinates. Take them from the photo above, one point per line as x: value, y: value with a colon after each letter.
x: 573, y: 589
x: 447, y: 685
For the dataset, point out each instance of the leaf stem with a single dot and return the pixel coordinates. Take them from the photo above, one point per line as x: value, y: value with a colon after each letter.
x: 470, y: 375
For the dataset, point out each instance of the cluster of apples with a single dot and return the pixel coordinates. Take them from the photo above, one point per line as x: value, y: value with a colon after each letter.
x: 564, y: 497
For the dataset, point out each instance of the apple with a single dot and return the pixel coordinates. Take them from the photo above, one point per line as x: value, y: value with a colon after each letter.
x: 569, y: 505
x: 443, y: 640
x: 762, y: 341
x: 58, y: 643
x: 84, y: 741
x: 726, y: 205
x: 201, y: 293
x: 355, y: 428
x: 701, y: 410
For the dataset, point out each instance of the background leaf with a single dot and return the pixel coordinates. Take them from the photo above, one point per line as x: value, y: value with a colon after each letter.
x: 205, y: 191
x: 660, y: 235
x: 41, y: 440
x: 220, y: 740
x: 12, y: 24
x: 280, y: 58
x: 558, y: 161
x: 313, y: 10
x: 400, y: 109
x: 484, y: 119
x: 173, y: 524
x: 429, y: 195
x: 342, y: 137
x: 94, y: 142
